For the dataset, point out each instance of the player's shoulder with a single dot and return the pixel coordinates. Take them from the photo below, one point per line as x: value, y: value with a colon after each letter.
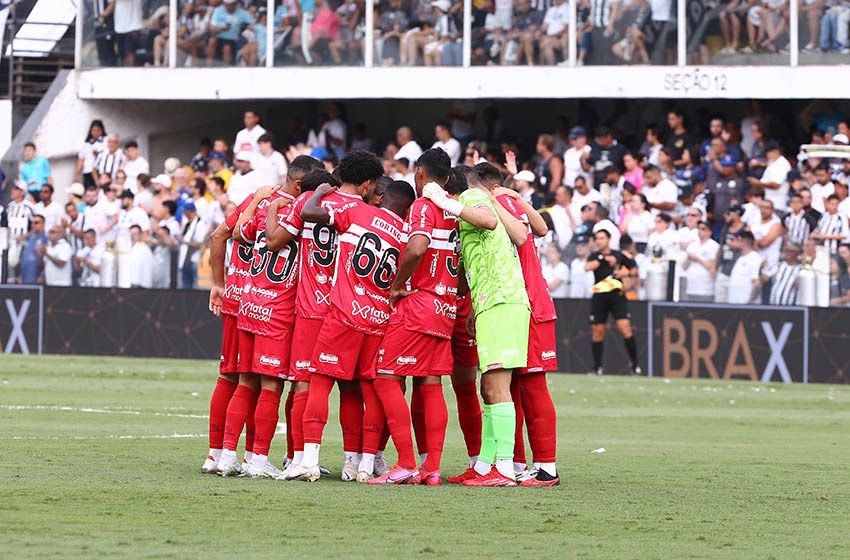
x: 473, y: 196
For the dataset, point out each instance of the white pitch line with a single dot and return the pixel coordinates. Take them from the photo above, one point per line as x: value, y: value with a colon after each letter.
x: 153, y: 436
x: 90, y: 410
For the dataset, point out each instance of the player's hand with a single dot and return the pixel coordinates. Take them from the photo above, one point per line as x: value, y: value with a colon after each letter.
x: 265, y: 192
x: 499, y: 191
x: 398, y: 293
x: 470, y: 325
x: 216, y: 293
x: 325, y: 189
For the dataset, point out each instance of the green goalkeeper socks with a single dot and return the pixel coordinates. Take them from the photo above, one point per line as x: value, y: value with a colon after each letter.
x: 503, y: 418
x: 488, y: 443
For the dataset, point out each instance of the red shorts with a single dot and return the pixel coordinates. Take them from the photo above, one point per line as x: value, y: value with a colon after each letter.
x: 229, y: 345
x: 410, y: 353
x: 304, y: 336
x: 464, y: 349
x: 342, y: 352
x: 246, y: 351
x: 271, y: 356
x: 542, y: 348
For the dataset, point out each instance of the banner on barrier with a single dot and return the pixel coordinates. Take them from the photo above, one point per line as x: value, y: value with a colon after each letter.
x: 759, y: 343
x: 21, y: 319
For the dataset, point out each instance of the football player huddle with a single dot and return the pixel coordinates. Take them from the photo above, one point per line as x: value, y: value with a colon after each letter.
x: 351, y: 279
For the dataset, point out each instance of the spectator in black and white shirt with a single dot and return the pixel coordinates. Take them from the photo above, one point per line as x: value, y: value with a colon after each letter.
x: 798, y: 225
x: 109, y: 161
x: 832, y: 228
x: 785, y: 277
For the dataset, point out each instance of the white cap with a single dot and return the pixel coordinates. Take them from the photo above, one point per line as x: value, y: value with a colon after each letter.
x: 524, y: 175
x: 171, y: 165
x: 442, y: 5
x: 163, y: 180
x: 76, y: 189
x: 840, y: 139
x: 244, y: 155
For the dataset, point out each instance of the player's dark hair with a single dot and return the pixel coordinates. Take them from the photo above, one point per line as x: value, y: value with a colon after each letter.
x: 436, y: 163
x: 457, y: 182
x: 381, y: 185
x: 399, y: 196
x: 315, y: 177
x: 469, y: 173
x: 359, y: 166
x: 489, y: 173
x: 171, y: 206
x: 301, y: 165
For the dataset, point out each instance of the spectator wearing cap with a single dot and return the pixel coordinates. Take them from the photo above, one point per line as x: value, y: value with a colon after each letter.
x: 443, y: 133
x: 134, y: 165
x: 774, y: 180
x: 225, y: 28
x: 576, y: 156
x: 217, y: 164
x: 729, y: 251
x: 245, y: 181
x: 523, y: 183
x: 273, y: 157
x: 604, y: 151
x: 195, y: 232
x: 75, y: 195
x: 723, y: 180
x: 34, y: 171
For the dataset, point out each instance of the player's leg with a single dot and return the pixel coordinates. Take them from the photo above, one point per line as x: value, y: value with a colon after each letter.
x: 390, y: 391
x: 520, y: 461
x: 315, y: 418
x: 241, y: 406
x: 469, y: 414
x: 287, y: 414
x: 417, y: 417
x: 228, y: 380
x: 542, y: 420
x: 266, y: 417
x: 351, y: 424
x: 436, y: 419
x: 374, y: 421
x: 299, y: 404
x: 381, y: 466
x: 305, y: 333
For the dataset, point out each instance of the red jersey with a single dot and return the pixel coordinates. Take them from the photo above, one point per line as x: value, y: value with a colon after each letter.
x: 317, y: 245
x: 542, y: 307
x: 268, y: 296
x: 370, y: 244
x: 433, y: 308
x: 237, y: 266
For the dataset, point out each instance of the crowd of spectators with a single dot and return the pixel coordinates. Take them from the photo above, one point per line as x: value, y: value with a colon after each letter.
x: 733, y: 217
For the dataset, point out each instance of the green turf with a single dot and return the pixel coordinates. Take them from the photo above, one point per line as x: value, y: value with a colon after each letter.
x: 692, y: 470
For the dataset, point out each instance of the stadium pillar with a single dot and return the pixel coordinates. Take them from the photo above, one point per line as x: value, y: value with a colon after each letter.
x: 369, y: 38
x: 467, y: 33
x: 794, y: 33
x: 682, y: 29
x: 172, y: 33
x: 572, y: 55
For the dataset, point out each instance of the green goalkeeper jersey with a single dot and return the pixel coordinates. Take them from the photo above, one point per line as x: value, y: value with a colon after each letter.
x: 490, y: 258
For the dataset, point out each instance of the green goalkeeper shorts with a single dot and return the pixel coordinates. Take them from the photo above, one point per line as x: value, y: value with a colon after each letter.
x: 501, y: 333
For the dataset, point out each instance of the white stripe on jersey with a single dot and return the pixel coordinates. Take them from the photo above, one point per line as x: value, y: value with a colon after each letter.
x: 440, y: 244
x: 442, y: 233
x: 290, y: 229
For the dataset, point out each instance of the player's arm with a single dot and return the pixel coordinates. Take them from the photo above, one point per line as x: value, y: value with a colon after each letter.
x: 479, y: 216
x: 218, y: 245
x: 413, y: 253
x: 313, y: 211
x: 248, y: 214
x: 535, y: 220
x: 277, y: 236
x: 516, y: 229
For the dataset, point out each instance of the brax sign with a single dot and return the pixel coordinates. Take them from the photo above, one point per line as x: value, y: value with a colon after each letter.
x: 21, y: 316
x: 759, y: 343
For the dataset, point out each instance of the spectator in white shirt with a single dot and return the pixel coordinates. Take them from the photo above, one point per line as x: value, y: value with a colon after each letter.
x: 774, y: 180
x: 603, y: 222
x: 108, y: 209
x: 51, y: 210
x: 578, y: 152
x: 408, y: 147
x: 245, y: 181
x: 581, y: 280
x: 57, y: 258
x: 128, y: 217
x: 745, y: 276
x: 109, y: 161
x: 822, y: 188
x: 700, y: 265
x: 555, y: 32
x: 191, y: 241
x: 768, y: 234
x: 562, y: 217
x: 661, y: 193
x: 141, y: 260
x: 582, y: 196
x: 335, y: 131
x: 638, y: 222
x: 164, y: 242
x: 88, y: 260
x: 446, y: 143
x: 556, y: 273
x: 663, y: 242
x: 273, y: 157
x: 247, y: 138
x: 134, y: 165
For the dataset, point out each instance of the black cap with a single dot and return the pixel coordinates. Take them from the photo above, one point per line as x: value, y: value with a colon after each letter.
x: 127, y: 194
x: 737, y: 209
x: 771, y: 145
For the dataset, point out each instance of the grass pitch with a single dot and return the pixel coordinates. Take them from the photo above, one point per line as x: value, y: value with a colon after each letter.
x: 100, y: 458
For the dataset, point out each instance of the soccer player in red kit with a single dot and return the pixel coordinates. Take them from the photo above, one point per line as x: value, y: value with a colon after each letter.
x: 265, y: 322
x: 528, y: 385
x: 225, y: 296
x: 370, y: 244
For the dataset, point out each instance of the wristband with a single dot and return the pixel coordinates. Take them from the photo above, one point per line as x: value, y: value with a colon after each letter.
x: 452, y: 206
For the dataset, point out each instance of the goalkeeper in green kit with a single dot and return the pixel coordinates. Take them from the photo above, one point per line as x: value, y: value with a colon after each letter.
x: 502, y: 314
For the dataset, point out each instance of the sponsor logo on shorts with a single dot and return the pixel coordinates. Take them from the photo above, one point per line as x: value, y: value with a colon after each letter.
x: 406, y: 360
x: 256, y: 312
x: 369, y: 313
x: 269, y: 361
x: 302, y: 364
x: 328, y: 358
x: 549, y: 355
x: 445, y: 309
x: 380, y: 355
x: 359, y: 290
x: 380, y: 298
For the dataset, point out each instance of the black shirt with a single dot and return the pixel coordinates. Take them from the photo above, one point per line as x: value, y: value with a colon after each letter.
x: 601, y: 158
x: 604, y: 270
x: 678, y: 143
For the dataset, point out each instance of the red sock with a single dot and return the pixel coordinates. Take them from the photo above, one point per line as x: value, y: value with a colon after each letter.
x: 249, y: 424
x: 299, y: 403
x: 519, y: 440
x: 351, y: 420
x: 436, y: 421
x: 316, y: 410
x: 469, y: 416
x: 398, y: 419
x: 265, y: 418
x: 219, y: 400
x: 373, y: 418
x: 417, y: 414
x: 541, y: 416
x: 287, y: 413
x: 237, y: 413
x: 385, y: 435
